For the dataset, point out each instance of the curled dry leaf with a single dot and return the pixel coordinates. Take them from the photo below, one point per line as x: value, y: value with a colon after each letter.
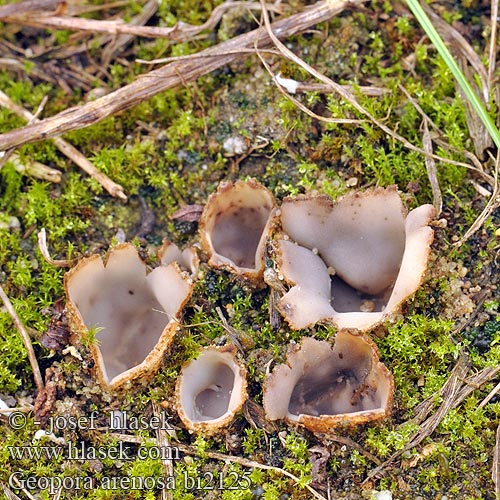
x: 189, y: 213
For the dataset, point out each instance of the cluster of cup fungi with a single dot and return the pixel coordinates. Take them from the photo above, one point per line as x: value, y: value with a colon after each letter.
x: 350, y: 263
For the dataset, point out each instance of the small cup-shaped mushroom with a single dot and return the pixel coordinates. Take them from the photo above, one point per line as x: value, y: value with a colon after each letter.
x: 323, y: 388
x: 210, y: 390
x: 367, y: 257
x: 234, y: 227
x: 187, y: 259
x: 135, y: 314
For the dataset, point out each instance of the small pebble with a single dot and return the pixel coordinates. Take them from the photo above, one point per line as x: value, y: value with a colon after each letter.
x: 367, y: 306
x: 235, y: 145
x: 382, y: 495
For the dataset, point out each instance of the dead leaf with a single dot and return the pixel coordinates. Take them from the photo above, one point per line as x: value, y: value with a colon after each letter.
x: 189, y: 213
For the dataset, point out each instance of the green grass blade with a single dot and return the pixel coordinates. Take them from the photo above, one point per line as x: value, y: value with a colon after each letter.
x: 428, y: 27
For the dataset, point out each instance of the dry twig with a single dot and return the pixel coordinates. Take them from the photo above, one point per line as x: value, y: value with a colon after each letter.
x: 495, y: 470
x: 68, y: 150
x: 169, y: 76
x: 448, y: 393
x: 191, y: 450
x: 164, y: 442
x: 491, y: 206
x: 454, y: 391
x: 42, y: 245
x: 34, y: 168
x: 26, y: 340
x: 247, y: 463
x: 9, y: 494
x: 430, y: 165
x: 180, y: 32
x: 345, y: 94
x: 148, y: 11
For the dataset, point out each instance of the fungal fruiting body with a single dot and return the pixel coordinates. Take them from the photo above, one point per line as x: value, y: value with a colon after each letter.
x: 187, y: 259
x: 323, y: 387
x: 353, y: 262
x: 234, y: 226
x: 210, y: 390
x: 134, y: 314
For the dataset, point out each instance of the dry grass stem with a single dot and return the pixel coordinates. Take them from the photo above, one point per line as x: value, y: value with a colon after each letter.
x: 430, y: 165
x: 168, y: 76
x: 26, y: 340
x: 456, y: 389
x: 42, y: 245
x: 492, y: 205
x: 28, y: 6
x: 148, y: 11
x: 493, y: 51
x: 495, y: 470
x: 478, y: 166
x: 191, y: 450
x: 460, y: 48
x: 68, y: 150
x: 247, y: 463
x: 24, y: 490
x: 490, y: 396
x: 162, y: 441
x: 345, y: 94
x: 301, y: 106
x: 9, y: 494
x: 321, y: 88
x: 34, y: 168
x: 180, y: 32
x: 464, y: 54
x: 201, y: 55
x: 448, y: 394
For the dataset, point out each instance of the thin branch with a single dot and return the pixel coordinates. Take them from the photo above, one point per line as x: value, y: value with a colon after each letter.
x: 495, y: 472
x: 248, y: 463
x: 28, y: 6
x: 344, y: 93
x: 147, y: 12
x: 33, y: 168
x: 26, y: 340
x: 180, y: 32
x: 42, y: 245
x: 301, y: 106
x: 167, y: 77
x: 67, y: 149
x: 191, y: 450
x: 430, y: 165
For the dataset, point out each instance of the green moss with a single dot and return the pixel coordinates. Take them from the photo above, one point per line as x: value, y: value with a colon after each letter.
x: 168, y: 151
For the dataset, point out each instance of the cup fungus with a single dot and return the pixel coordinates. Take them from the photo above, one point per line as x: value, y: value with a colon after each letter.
x: 323, y: 388
x: 210, y: 390
x: 234, y: 226
x: 356, y: 260
x: 135, y: 314
x: 187, y: 259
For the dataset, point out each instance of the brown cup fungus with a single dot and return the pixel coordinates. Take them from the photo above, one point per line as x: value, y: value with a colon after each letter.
x: 134, y: 313
x: 234, y: 226
x: 210, y: 390
x: 324, y: 388
x: 355, y: 260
